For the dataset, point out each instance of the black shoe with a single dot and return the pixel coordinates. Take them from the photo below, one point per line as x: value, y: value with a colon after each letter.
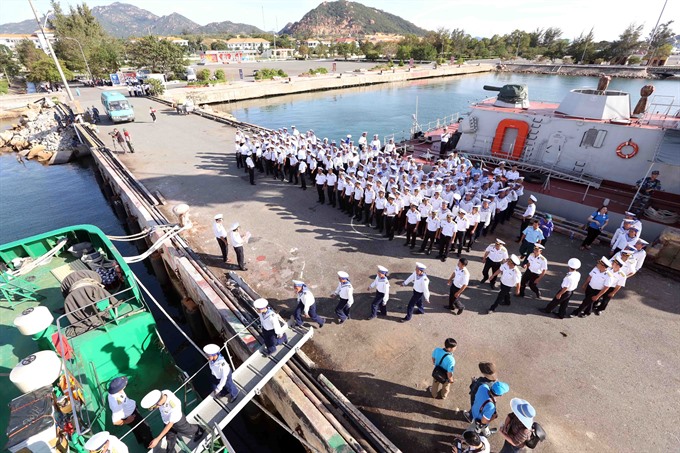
x: 543, y: 310
x: 404, y: 320
x: 597, y: 312
x: 481, y: 282
x: 560, y: 316
x: 460, y: 310
x: 467, y: 415
x: 538, y: 293
x: 199, y: 434
x: 582, y: 315
x: 429, y: 252
x: 493, y: 285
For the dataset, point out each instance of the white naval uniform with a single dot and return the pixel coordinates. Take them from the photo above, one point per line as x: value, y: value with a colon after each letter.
x: 121, y: 406
x: 420, y: 284
x: 171, y: 410
x: 571, y: 280
x: 345, y: 291
x: 510, y: 277
x: 382, y: 285
x: 537, y: 264
x: 220, y: 369
x: 461, y: 277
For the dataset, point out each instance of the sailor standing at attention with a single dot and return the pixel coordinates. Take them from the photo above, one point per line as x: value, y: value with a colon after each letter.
x: 124, y: 411
x: 382, y: 292
x: 221, y: 370
x: 272, y: 330
x: 237, y: 242
x: 345, y: 292
x: 103, y: 442
x: 421, y: 291
x: 221, y: 236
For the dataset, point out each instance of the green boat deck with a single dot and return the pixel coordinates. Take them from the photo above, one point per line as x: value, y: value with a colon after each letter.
x: 128, y: 345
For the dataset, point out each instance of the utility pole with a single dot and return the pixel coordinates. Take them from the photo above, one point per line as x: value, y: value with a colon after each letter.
x: 54, y: 56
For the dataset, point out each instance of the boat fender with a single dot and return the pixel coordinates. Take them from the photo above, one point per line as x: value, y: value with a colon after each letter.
x: 632, y: 144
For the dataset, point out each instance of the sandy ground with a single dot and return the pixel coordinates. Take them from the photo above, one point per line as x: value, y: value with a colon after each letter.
x: 594, y: 382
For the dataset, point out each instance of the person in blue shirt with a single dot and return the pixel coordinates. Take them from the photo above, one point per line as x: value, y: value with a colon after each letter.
x: 547, y: 227
x: 595, y: 224
x: 443, y: 357
x: 530, y: 236
x: 483, y: 409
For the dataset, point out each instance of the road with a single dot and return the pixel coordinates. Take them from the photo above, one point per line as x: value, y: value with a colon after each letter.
x: 594, y: 382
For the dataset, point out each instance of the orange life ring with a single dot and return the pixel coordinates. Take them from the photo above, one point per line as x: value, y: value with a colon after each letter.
x: 630, y: 143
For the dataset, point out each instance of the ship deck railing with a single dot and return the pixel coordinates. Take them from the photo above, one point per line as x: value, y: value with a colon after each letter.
x: 124, y: 306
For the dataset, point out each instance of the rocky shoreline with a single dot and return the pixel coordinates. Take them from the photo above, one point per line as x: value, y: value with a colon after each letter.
x: 40, y: 133
x: 626, y: 72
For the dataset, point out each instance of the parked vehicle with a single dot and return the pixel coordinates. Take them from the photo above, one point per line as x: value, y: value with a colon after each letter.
x: 117, y: 107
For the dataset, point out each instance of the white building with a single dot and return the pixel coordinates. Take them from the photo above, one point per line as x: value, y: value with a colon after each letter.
x: 278, y: 53
x: 248, y: 45
x: 11, y: 40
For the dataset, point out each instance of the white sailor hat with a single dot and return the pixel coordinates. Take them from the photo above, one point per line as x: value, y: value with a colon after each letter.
x: 211, y: 349
x: 477, y: 206
x: 532, y: 198
x: 382, y: 269
x: 574, y: 263
x: 298, y: 283
x: 642, y: 241
x: 619, y: 262
x: 514, y: 259
x: 449, y: 214
x: 391, y: 196
x: 485, y: 200
x: 235, y: 225
x: 498, y: 241
x: 218, y: 217
x: 604, y: 260
x: 631, y: 214
x: 462, y: 211
x: 628, y: 250
x: 628, y: 221
x: 151, y: 399
x: 501, y: 162
x: 370, y: 183
x: 343, y: 274
x: 360, y: 174
x: 420, y: 266
x: 539, y: 246
x: 260, y: 303
x: 456, y: 196
x: 96, y: 442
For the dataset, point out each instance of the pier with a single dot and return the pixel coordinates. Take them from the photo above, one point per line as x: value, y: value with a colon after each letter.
x: 587, y: 378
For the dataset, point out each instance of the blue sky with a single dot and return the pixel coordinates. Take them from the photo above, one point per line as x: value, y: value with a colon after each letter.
x: 477, y: 17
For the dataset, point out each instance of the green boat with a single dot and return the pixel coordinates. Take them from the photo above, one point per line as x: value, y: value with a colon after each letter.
x: 67, y: 334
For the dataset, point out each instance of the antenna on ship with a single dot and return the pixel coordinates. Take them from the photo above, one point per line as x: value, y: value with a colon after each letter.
x: 653, y: 35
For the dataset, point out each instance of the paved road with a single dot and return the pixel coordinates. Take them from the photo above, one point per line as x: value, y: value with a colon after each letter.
x: 594, y: 382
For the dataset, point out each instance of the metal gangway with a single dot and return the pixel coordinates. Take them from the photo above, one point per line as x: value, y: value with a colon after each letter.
x: 213, y: 414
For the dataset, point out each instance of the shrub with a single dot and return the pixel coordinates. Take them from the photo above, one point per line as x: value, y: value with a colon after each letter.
x: 4, y: 87
x: 203, y: 75
x: 157, y: 87
x: 265, y: 73
x: 220, y: 75
x: 401, y: 63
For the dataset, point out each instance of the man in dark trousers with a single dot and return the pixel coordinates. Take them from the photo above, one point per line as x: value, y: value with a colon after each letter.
x: 250, y: 165
x: 237, y: 242
x: 569, y: 285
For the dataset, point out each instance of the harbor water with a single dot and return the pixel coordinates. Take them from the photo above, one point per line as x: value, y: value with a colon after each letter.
x: 36, y: 198
x: 389, y: 108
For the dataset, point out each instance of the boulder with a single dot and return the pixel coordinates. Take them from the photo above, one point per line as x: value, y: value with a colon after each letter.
x: 18, y: 143
x: 30, y: 115
x: 36, y: 150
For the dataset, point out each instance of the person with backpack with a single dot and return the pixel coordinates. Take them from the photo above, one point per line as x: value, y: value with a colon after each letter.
x: 488, y: 370
x: 484, y: 407
x: 517, y: 427
x: 471, y: 443
x: 444, y: 365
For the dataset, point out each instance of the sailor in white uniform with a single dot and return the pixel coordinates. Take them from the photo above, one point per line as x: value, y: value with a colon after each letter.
x: 536, y: 267
x: 103, y: 442
x: 345, y: 292
x: 421, y: 291
x: 382, y: 292
x: 272, y: 331
x: 306, y: 304
x: 170, y: 408
x: 221, y: 370
x: 124, y: 411
x: 510, y: 279
x: 569, y: 285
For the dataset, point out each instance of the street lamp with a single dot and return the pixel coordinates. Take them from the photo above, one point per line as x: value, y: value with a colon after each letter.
x: 82, y: 53
x: 54, y: 56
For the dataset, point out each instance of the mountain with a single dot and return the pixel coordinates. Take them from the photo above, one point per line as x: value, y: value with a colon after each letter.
x: 20, y: 28
x: 123, y: 20
x: 343, y: 18
x: 227, y: 27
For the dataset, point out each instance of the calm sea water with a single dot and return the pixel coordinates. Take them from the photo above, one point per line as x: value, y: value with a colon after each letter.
x: 36, y: 198
x: 386, y: 109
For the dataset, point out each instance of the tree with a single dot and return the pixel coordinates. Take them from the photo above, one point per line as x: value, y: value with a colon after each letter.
x: 79, y: 26
x: 629, y: 41
x: 425, y: 52
x: 660, y: 41
x: 8, y: 64
x: 303, y: 50
x: 220, y: 75
x: 29, y: 54
x: 218, y: 45
x: 581, y: 48
x: 158, y: 55
x: 157, y: 87
x: 46, y: 71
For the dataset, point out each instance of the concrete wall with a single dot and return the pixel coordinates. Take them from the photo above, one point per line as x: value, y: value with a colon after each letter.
x: 252, y: 90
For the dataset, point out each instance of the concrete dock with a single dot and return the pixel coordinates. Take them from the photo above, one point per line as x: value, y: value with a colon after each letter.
x: 594, y: 382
